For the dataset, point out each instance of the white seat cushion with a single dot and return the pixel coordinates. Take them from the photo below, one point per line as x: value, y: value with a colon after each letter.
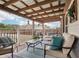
x: 68, y: 41
x: 56, y: 53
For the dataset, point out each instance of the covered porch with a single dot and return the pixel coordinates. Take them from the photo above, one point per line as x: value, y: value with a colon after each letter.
x: 41, y: 13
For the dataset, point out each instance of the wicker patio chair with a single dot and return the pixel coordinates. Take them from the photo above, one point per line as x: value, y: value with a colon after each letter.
x: 6, y: 45
x: 66, y: 49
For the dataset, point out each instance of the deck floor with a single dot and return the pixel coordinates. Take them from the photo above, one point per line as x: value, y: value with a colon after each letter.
x: 38, y: 52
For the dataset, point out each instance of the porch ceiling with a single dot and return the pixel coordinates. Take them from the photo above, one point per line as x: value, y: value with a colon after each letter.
x: 38, y: 10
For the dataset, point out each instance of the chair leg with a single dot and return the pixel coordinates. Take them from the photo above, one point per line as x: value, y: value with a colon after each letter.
x: 44, y: 51
x: 12, y: 51
x: 33, y: 48
x: 69, y: 56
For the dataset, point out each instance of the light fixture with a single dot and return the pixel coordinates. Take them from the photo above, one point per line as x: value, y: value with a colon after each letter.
x: 61, y: 17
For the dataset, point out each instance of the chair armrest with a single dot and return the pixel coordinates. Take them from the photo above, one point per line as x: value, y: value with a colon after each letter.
x: 2, y: 43
x: 48, y: 40
x: 66, y: 47
x: 46, y: 49
x: 50, y: 45
x: 56, y: 46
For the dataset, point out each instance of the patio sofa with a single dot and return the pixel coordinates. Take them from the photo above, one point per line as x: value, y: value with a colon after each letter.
x: 66, y: 47
x: 6, y: 45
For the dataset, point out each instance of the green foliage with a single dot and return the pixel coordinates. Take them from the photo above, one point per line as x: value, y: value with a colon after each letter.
x: 70, y: 12
x: 35, y: 37
x: 2, y: 25
x: 5, y: 27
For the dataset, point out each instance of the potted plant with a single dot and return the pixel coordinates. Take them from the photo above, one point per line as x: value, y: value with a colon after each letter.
x: 35, y: 37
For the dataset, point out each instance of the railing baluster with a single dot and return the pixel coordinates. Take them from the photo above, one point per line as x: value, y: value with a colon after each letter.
x: 15, y: 34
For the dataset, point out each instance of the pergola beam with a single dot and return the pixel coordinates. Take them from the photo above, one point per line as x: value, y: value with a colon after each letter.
x: 10, y: 2
x: 54, y: 7
x: 51, y: 18
x: 48, y: 13
x: 14, y: 12
x: 38, y: 4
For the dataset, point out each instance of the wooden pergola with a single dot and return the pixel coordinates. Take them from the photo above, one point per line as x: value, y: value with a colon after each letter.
x: 37, y: 10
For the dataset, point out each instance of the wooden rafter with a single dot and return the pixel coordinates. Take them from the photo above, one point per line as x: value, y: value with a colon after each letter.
x: 14, y: 12
x: 4, y: 0
x: 36, y: 5
x: 59, y: 3
x: 54, y: 7
x: 10, y: 2
x: 51, y: 18
x: 48, y: 13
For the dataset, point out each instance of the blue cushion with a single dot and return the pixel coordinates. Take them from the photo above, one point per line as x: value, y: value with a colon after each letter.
x: 57, y: 43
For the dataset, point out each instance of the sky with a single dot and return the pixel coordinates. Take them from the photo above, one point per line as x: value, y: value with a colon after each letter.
x: 8, y: 18
x: 53, y: 24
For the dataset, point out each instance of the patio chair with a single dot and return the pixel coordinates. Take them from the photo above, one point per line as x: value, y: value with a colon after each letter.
x: 6, y: 45
x: 66, y: 48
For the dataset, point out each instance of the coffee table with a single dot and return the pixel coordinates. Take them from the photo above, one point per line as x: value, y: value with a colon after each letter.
x: 33, y: 43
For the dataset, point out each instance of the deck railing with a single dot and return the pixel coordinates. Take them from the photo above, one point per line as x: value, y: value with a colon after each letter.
x: 10, y: 33
x: 16, y: 35
x: 19, y: 36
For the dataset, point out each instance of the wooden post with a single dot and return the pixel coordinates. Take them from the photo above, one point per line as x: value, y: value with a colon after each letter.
x: 78, y: 9
x: 12, y: 51
x: 43, y: 29
x: 62, y: 24
x: 18, y: 35
x: 33, y: 28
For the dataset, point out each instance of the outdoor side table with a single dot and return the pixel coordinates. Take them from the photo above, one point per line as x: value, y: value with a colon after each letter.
x: 33, y: 43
